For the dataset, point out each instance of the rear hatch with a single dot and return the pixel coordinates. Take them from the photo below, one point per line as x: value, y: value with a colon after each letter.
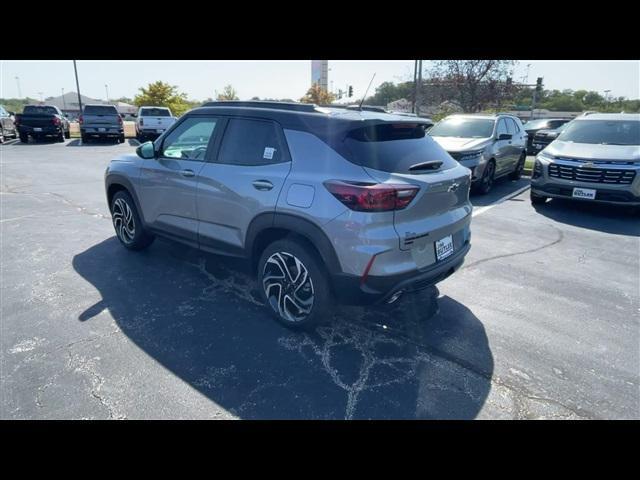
x: 102, y: 115
x: 156, y: 119
x: 402, y: 154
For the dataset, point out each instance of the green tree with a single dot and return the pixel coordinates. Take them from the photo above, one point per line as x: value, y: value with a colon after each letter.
x: 318, y: 95
x: 228, y: 93
x: 161, y: 94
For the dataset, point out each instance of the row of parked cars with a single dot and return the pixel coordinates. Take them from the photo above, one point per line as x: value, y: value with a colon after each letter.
x: 96, y: 121
x: 595, y: 157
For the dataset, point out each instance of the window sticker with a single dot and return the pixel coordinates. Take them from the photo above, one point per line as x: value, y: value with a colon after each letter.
x: 268, y: 153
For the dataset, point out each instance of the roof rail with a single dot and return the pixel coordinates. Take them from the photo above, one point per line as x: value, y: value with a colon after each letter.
x: 366, y: 108
x: 298, y: 107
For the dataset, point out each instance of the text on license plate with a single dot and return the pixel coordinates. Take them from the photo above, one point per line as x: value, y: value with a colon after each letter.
x: 37, y: 129
x: 444, y: 247
x: 584, y: 193
x: 102, y: 129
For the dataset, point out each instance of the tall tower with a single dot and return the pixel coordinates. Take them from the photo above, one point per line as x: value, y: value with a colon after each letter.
x: 320, y: 73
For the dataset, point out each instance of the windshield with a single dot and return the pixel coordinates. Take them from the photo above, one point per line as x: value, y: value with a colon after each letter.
x: 603, y: 132
x: 463, y: 127
x: 39, y: 110
x: 155, y: 112
x: 100, y: 110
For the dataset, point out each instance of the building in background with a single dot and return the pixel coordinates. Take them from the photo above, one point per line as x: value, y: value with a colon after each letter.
x: 68, y: 103
x: 320, y: 73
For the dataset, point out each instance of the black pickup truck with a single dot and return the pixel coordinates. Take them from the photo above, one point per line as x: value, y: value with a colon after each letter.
x: 41, y: 121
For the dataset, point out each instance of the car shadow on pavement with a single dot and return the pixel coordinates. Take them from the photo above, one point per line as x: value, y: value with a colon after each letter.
x: 200, y: 317
x: 613, y: 219
x: 91, y: 143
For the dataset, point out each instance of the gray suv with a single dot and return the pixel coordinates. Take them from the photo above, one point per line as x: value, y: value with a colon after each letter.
x: 596, y: 158
x: 326, y: 203
x: 491, y: 146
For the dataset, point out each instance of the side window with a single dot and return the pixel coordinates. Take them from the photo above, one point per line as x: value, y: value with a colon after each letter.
x: 515, y: 125
x: 190, y: 139
x: 502, y: 127
x: 252, y: 142
x: 511, y: 128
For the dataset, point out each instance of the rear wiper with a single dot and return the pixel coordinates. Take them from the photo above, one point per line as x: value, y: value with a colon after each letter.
x: 431, y: 165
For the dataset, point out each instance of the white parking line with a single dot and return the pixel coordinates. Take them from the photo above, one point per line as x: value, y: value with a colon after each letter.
x: 481, y: 210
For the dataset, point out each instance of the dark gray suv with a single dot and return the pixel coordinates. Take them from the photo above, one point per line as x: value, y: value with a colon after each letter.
x: 327, y: 203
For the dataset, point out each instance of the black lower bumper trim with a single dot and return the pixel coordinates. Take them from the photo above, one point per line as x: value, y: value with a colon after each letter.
x: 377, y: 289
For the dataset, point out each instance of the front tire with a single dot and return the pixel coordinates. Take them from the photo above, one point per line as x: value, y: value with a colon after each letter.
x: 517, y: 173
x: 537, y: 199
x: 294, y: 284
x: 488, y: 177
x: 127, y: 224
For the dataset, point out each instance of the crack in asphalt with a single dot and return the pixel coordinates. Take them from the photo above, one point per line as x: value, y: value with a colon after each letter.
x: 523, y: 252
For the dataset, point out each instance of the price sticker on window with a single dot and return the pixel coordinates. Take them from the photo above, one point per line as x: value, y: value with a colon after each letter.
x: 268, y: 153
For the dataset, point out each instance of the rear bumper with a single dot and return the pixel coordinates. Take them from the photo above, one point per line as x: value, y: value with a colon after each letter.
x: 378, y: 289
x: 108, y: 131
x: 48, y: 130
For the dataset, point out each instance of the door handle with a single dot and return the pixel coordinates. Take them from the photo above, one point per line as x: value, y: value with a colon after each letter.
x: 187, y: 173
x: 262, y: 185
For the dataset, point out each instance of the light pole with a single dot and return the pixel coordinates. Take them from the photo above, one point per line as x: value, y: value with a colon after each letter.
x: 528, y: 67
x: 606, y: 95
x: 41, y: 93
x: 106, y: 88
x: 64, y: 102
x: 19, y: 91
x: 75, y: 69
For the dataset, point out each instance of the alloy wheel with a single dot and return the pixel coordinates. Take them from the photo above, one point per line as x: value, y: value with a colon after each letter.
x: 123, y: 221
x: 288, y: 286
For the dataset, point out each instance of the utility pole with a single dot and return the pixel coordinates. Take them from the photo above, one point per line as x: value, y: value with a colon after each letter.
x: 419, y: 88
x: 64, y: 103
x: 19, y: 91
x: 75, y: 69
x: 415, y: 85
x: 106, y: 88
x: 536, y: 91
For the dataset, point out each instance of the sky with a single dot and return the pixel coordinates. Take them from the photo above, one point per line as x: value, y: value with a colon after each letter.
x: 280, y: 79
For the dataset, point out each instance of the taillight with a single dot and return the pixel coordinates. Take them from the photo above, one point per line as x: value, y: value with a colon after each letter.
x: 56, y: 121
x: 119, y: 119
x: 80, y: 119
x: 141, y: 122
x: 372, y: 197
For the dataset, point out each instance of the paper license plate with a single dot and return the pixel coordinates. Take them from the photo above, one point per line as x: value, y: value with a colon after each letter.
x: 444, y: 247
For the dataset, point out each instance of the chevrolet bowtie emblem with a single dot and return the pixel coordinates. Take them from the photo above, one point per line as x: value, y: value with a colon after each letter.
x: 453, y: 187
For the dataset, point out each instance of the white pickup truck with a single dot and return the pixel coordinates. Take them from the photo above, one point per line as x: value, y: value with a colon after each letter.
x: 152, y: 122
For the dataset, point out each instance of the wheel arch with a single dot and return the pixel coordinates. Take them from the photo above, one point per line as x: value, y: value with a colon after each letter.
x: 267, y: 228
x: 116, y: 183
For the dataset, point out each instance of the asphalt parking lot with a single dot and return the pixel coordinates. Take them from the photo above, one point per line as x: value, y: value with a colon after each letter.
x: 541, y: 322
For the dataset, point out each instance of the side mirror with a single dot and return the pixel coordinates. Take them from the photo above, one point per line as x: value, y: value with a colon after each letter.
x: 504, y: 136
x: 146, y: 151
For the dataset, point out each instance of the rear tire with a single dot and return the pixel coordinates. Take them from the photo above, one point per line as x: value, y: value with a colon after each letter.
x: 24, y: 138
x: 60, y: 137
x: 517, y: 173
x: 294, y: 284
x: 121, y: 139
x: 127, y: 224
x: 537, y: 199
x: 488, y: 177
x: 67, y: 134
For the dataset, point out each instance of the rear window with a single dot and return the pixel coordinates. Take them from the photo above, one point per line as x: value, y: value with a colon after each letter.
x: 395, y: 148
x: 463, y: 127
x: 100, y: 110
x: 155, y: 112
x: 39, y: 110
